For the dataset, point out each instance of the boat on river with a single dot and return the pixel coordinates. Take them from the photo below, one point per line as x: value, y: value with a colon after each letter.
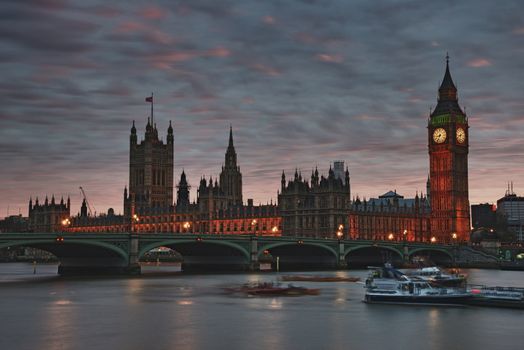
x: 305, y: 278
x: 438, y: 277
x: 505, y: 297
x: 271, y: 289
x: 388, y: 285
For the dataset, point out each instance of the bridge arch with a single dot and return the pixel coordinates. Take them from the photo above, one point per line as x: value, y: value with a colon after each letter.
x: 51, y: 246
x: 270, y: 246
x: 430, y: 249
x: 299, y: 255
x: 172, y: 243
x: 372, y: 254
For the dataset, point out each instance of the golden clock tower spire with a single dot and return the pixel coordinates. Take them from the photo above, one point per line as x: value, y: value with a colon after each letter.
x: 448, y: 145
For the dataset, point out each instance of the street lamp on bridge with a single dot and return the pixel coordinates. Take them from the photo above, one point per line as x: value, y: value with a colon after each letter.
x: 340, y: 232
x: 134, y: 220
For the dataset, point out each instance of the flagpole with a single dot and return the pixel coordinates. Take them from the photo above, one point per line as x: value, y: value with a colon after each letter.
x: 152, y: 120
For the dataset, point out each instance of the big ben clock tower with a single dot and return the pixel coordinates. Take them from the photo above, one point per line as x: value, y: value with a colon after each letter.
x: 448, y: 144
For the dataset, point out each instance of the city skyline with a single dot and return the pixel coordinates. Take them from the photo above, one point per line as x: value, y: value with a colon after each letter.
x: 296, y: 97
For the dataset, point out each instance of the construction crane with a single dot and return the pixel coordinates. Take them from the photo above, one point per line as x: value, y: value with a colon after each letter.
x: 87, y: 202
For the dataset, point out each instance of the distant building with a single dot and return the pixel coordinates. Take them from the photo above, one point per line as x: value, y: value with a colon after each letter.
x: 48, y: 217
x: 14, y: 223
x: 511, y: 208
x: 483, y: 215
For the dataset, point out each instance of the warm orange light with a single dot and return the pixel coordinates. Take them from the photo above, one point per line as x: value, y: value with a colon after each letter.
x: 66, y: 222
x: 274, y: 229
x: 454, y: 236
x: 136, y: 218
x: 405, y: 232
x: 433, y: 239
x: 340, y: 227
x: 339, y: 234
x: 186, y: 225
x: 391, y: 236
x: 254, y: 222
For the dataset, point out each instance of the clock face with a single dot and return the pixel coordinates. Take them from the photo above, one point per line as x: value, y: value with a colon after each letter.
x: 461, y: 135
x: 439, y: 135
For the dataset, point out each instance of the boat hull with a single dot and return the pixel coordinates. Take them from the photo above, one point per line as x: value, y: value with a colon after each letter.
x: 418, y: 299
x: 494, y: 302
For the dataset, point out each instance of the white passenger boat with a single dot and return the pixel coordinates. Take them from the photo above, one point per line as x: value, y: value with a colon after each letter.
x: 388, y: 285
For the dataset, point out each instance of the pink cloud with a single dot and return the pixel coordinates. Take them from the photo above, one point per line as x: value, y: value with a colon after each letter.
x: 154, y: 12
x: 130, y: 27
x: 479, y: 62
x: 518, y: 31
x: 164, y: 61
x: 269, y: 20
x: 266, y: 69
x: 329, y: 58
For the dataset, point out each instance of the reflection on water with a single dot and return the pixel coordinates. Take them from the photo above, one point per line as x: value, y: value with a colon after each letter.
x: 177, y: 311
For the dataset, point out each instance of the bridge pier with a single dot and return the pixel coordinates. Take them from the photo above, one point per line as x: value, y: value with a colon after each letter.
x: 341, y: 260
x: 254, y: 264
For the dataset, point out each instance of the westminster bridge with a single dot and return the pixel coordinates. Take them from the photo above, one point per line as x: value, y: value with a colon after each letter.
x: 120, y: 253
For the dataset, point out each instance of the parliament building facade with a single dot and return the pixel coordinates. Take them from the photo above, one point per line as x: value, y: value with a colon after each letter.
x: 320, y: 206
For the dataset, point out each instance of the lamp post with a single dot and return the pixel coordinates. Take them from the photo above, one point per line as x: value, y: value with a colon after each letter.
x: 454, y: 238
x: 254, y: 226
x: 405, y: 235
x: 134, y: 220
x: 340, y: 232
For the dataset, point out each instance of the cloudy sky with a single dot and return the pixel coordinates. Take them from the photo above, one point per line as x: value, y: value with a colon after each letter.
x: 302, y: 82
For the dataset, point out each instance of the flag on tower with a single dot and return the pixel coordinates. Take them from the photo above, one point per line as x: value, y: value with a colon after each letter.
x: 149, y: 99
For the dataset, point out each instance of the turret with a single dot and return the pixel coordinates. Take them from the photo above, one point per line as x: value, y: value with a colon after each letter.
x: 283, y: 180
x: 170, y: 137
x: 182, y: 193
x: 133, y: 138
x: 30, y: 204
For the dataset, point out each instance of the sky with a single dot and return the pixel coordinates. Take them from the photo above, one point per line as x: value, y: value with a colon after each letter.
x: 303, y: 83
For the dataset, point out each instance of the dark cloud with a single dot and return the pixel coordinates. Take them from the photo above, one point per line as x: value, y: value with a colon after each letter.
x: 303, y: 83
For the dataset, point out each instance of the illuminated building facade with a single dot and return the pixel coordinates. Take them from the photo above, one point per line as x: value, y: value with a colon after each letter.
x: 448, y: 144
x: 390, y: 217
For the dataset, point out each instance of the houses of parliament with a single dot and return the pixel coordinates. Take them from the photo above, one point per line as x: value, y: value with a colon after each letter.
x: 315, y: 205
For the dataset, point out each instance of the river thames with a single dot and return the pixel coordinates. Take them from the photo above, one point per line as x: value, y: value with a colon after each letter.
x: 178, y: 311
